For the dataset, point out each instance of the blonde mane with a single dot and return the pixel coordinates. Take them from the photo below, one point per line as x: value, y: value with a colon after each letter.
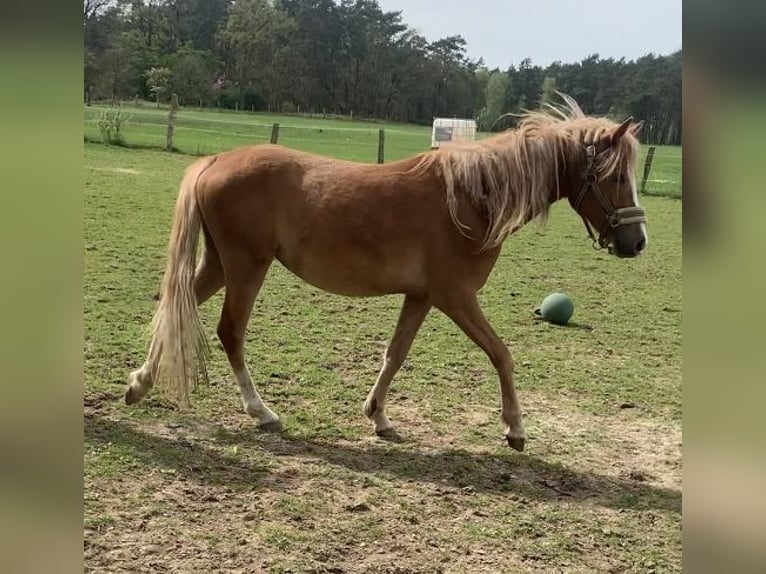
x: 511, y: 176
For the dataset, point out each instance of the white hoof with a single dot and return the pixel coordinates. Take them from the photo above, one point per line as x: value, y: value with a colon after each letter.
x: 261, y: 413
x: 138, y: 386
x: 515, y: 437
x: 382, y: 425
x: 374, y: 412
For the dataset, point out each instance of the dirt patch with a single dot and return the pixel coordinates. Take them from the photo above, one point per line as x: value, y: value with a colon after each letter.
x: 192, y: 495
x: 622, y: 444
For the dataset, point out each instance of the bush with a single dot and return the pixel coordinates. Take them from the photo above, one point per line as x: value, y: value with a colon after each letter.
x: 228, y: 98
x: 111, y: 123
x: 253, y: 101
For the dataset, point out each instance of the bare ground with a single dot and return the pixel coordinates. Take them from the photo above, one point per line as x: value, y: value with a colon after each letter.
x: 185, y: 494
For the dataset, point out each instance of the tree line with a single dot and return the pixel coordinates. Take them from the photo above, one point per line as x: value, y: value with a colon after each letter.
x: 347, y: 57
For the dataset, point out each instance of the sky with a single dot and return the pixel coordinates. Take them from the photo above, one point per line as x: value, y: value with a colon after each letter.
x: 504, y: 32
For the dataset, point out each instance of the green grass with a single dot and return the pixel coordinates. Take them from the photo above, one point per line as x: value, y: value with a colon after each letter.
x: 665, y: 178
x: 326, y: 495
x: 205, y: 132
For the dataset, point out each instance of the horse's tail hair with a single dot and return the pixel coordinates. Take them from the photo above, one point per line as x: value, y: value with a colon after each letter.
x: 179, y: 348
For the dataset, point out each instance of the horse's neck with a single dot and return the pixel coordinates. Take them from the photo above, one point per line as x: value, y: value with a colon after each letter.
x: 565, y: 180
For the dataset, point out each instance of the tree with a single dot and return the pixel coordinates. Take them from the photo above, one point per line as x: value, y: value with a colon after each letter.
x: 495, y: 98
x: 254, y: 35
x: 548, y: 90
x: 204, y: 20
x: 452, y: 77
x: 158, y: 81
x: 311, y: 68
x: 121, y: 67
x: 482, y: 80
x: 192, y: 75
x: 92, y: 8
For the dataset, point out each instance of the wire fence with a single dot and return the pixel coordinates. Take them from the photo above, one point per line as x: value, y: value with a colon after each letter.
x: 207, y: 132
x: 202, y: 132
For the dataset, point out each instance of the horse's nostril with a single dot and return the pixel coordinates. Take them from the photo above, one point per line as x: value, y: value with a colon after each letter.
x: 640, y: 244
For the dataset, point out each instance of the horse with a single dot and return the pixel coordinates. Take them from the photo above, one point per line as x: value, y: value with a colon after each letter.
x: 429, y: 227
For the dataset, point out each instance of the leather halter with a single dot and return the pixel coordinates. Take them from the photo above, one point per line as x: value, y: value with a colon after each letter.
x: 613, y: 217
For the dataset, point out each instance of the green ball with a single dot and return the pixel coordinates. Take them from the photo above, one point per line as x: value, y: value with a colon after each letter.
x: 556, y: 308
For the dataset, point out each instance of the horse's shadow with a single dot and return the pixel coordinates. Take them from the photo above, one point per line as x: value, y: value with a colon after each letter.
x: 512, y: 473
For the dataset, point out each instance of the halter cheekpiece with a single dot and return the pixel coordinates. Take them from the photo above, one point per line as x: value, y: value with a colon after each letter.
x: 613, y: 217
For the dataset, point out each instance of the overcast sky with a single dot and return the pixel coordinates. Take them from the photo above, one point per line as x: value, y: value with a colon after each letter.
x: 504, y: 32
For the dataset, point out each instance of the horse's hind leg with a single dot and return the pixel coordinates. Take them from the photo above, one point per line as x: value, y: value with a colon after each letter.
x: 413, y: 313
x: 242, y: 285
x: 208, y: 277
x: 208, y: 280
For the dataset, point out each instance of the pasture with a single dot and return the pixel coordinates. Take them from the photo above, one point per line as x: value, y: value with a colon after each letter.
x: 201, y: 132
x: 598, y: 488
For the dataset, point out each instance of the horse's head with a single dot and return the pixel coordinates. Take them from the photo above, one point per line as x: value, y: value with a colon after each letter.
x: 603, y: 190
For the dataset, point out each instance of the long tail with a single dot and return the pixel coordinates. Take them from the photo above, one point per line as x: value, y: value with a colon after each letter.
x: 179, y: 349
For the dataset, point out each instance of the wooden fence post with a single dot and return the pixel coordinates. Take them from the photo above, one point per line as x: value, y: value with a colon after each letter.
x: 171, y: 122
x: 381, y: 145
x: 274, y: 133
x: 647, y: 168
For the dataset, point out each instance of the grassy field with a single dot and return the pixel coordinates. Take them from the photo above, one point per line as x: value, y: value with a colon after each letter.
x: 202, y: 132
x: 597, y: 490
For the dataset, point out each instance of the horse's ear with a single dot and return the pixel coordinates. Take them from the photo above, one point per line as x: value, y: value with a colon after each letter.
x: 620, y: 131
x: 636, y: 127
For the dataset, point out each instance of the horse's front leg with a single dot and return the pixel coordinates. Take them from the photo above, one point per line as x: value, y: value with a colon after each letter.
x: 463, y: 308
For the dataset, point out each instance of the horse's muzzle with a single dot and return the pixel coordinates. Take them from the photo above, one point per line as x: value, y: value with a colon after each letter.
x: 628, y: 240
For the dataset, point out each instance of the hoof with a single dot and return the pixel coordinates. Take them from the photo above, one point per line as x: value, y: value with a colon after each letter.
x: 132, y: 395
x: 389, y: 434
x: 271, y: 426
x: 516, y: 443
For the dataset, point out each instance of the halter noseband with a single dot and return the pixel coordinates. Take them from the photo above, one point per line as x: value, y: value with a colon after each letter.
x: 613, y: 217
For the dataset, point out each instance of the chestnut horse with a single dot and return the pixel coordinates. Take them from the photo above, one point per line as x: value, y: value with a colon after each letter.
x: 429, y: 227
